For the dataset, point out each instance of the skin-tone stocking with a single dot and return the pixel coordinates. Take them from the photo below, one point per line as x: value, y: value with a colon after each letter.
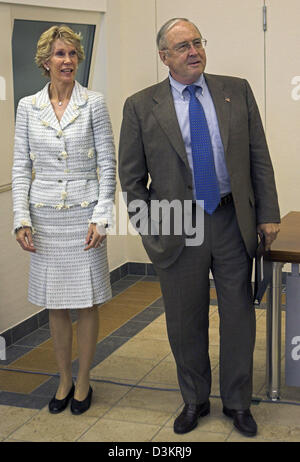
x: 61, y: 331
x: 87, y: 333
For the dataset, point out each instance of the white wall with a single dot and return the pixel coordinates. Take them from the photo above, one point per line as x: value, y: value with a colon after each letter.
x: 91, y: 5
x: 283, y: 99
x: 233, y: 29
x: 132, y: 65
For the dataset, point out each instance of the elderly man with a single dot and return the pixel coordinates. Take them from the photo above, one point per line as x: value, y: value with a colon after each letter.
x: 199, y: 138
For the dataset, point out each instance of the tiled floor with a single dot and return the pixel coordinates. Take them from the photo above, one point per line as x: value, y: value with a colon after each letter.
x: 136, y: 396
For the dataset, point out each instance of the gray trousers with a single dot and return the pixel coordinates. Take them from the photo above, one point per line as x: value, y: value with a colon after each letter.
x: 185, y: 289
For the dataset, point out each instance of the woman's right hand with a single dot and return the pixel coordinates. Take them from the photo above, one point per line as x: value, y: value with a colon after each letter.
x: 24, y: 238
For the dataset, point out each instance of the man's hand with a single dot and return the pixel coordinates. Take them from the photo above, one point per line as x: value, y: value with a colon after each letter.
x: 269, y: 231
x: 24, y: 238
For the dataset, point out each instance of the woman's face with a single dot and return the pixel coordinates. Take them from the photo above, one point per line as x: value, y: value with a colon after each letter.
x: 63, y: 62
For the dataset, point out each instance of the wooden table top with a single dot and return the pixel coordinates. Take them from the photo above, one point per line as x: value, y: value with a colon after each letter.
x: 286, y: 247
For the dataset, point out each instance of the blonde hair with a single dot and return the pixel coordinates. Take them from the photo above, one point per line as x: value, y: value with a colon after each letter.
x: 47, y: 39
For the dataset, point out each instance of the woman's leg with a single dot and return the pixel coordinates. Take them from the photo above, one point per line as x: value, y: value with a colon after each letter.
x: 87, y: 333
x: 61, y: 331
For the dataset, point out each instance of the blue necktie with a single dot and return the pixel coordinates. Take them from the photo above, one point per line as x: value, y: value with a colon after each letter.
x: 206, y: 182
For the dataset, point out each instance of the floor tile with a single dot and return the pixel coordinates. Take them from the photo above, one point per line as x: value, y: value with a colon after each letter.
x: 259, y: 383
x: 105, y: 348
x: 279, y: 414
x: 261, y: 322
x: 106, y: 430
x: 48, y: 388
x: 46, y: 427
x: 164, y: 374
x: 22, y: 400
x: 198, y: 435
x: 141, y: 347
x: 214, y: 321
x: 34, y: 339
x: 150, y: 314
x: 259, y: 359
x: 155, y: 331
x: 121, y: 309
x: 109, y: 325
x: 214, y: 336
x: 290, y: 393
x: 269, y: 432
x: 38, y: 359
x: 11, y: 418
x: 13, y: 353
x: 123, y: 369
x: 163, y: 401
x: 110, y: 394
x: 138, y: 415
x: 260, y: 341
x: 130, y: 329
x: 19, y: 382
x: 236, y: 437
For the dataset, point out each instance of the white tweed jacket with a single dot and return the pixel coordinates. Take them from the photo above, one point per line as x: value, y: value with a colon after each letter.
x: 72, y: 161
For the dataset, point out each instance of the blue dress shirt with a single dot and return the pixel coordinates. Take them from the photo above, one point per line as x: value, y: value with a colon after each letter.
x: 181, y: 99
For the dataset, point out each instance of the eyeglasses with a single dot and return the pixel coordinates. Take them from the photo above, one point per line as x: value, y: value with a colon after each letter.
x: 183, y: 47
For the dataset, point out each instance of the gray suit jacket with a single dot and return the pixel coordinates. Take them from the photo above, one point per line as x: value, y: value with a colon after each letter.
x: 151, y: 144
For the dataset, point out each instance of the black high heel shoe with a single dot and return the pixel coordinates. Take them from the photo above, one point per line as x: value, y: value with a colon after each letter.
x: 58, y: 405
x: 79, y: 407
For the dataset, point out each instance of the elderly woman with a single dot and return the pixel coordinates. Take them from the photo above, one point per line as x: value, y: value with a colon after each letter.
x: 63, y: 135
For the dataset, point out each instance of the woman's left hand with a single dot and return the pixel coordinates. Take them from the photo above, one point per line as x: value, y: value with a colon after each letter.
x: 93, y: 238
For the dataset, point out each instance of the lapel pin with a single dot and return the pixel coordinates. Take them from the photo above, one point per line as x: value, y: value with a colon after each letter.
x: 227, y: 100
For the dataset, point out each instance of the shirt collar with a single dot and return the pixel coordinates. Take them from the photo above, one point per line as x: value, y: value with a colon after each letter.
x: 180, y: 87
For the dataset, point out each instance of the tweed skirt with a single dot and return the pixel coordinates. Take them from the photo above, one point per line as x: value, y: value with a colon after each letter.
x: 62, y: 274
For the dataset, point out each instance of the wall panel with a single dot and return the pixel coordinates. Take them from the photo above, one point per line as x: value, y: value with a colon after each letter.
x: 283, y: 98
x: 6, y: 99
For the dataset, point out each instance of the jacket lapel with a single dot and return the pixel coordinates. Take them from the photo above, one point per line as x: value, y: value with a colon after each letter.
x: 41, y: 102
x: 165, y: 113
x: 222, y: 103
x: 78, y: 99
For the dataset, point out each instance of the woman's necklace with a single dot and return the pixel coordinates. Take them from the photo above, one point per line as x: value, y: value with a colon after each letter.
x: 60, y: 102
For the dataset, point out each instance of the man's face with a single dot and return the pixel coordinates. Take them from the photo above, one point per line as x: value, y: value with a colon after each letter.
x: 185, y: 57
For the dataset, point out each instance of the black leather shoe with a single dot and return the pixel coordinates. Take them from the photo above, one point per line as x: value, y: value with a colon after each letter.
x: 188, y: 419
x: 58, y: 405
x: 79, y: 407
x: 242, y: 420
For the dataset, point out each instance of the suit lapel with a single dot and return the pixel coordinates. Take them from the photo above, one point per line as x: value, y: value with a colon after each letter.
x: 165, y: 113
x: 222, y: 103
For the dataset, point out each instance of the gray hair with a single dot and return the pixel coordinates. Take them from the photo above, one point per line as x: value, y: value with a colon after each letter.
x: 161, y: 36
